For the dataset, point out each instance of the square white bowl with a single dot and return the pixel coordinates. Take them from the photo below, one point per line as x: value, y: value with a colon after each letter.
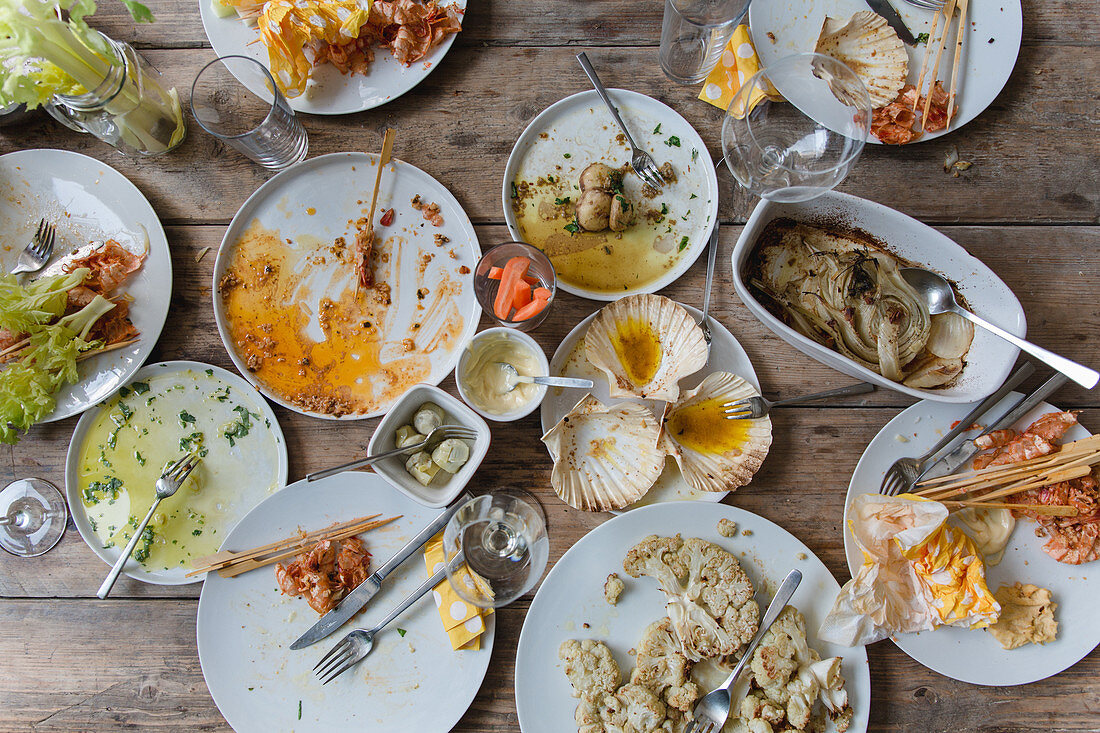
x: 989, y: 360
x: 439, y: 492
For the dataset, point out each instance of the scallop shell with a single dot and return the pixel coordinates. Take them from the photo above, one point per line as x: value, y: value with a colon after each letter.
x: 604, y: 457
x: 871, y: 48
x: 645, y: 344
x: 730, y: 451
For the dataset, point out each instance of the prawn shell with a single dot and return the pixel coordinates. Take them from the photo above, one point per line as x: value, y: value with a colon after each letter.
x: 872, y: 49
x: 604, y: 457
x: 734, y: 466
x: 666, y: 325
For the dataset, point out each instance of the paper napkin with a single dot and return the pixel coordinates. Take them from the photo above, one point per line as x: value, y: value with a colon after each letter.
x: 737, y: 65
x: 464, y: 622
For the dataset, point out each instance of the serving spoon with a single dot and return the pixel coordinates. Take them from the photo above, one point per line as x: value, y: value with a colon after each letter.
x: 513, y: 378
x: 939, y: 296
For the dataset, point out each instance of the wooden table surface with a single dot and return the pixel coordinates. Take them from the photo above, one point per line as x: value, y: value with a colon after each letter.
x: 1028, y: 208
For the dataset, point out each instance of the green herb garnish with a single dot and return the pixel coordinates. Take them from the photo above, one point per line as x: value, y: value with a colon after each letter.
x: 572, y: 227
x: 922, y: 38
x: 402, y: 632
x: 657, y: 129
x: 683, y: 244
x: 186, y: 418
x: 515, y: 191
x: 562, y: 202
x: 140, y: 387
x: 673, y: 141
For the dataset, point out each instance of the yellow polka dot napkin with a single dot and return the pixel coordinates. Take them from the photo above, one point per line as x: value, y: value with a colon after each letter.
x: 464, y: 622
x: 736, y: 66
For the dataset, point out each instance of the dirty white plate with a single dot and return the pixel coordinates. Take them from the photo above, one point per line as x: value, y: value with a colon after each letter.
x: 726, y: 355
x: 329, y: 92
x: 571, y: 596
x: 245, y: 496
x: 245, y: 628
x: 314, y: 202
x: 89, y: 202
x: 975, y: 656
x: 992, y: 43
x: 578, y: 130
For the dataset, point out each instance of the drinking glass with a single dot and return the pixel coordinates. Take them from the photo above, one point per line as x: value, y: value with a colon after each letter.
x: 694, y: 34
x: 33, y: 514
x: 485, y: 287
x: 503, y: 536
x: 267, y: 132
x: 798, y: 149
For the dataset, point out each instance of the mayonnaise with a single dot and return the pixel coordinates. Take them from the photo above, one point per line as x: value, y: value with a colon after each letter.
x: 486, y: 384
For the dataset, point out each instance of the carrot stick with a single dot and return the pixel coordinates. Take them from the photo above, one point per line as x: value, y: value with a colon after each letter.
x: 541, y: 294
x: 495, y: 273
x: 523, y: 294
x: 530, y: 310
x: 514, y: 270
x: 531, y: 280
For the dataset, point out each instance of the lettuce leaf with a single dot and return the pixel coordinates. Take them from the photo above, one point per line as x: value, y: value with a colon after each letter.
x: 23, y: 307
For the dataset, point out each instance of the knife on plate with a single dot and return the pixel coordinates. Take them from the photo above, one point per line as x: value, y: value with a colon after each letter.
x: 353, y: 602
x: 886, y: 10
x: 956, y: 458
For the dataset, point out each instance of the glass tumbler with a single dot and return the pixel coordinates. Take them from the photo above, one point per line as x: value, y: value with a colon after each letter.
x: 540, y: 274
x: 267, y: 132
x: 33, y: 514
x: 693, y: 35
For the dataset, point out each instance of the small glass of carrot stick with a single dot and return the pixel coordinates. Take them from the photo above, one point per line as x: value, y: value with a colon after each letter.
x: 515, y: 284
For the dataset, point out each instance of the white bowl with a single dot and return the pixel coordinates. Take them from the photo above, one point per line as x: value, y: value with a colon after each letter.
x: 530, y: 343
x: 439, y: 492
x: 989, y: 360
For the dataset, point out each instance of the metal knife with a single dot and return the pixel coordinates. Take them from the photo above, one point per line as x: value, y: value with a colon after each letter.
x: 886, y: 10
x: 953, y: 460
x: 354, y: 601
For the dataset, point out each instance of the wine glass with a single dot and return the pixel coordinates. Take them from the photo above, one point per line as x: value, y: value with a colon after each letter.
x: 797, y: 149
x: 33, y: 514
x: 503, y: 536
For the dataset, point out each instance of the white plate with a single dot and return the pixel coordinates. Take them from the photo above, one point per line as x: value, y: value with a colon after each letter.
x: 984, y: 69
x: 726, y: 354
x: 975, y: 656
x: 337, y: 188
x: 247, y: 496
x: 572, y: 595
x: 581, y: 126
x: 88, y: 201
x: 245, y: 627
x: 329, y: 92
x: 989, y: 360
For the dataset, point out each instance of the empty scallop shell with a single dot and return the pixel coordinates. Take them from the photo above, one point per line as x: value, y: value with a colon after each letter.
x: 645, y: 344
x: 871, y: 48
x: 715, y: 454
x: 604, y: 457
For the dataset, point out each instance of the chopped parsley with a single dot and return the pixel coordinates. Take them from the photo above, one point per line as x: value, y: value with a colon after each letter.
x: 566, y: 155
x: 139, y: 458
x: 673, y: 141
x: 515, y: 191
x: 140, y: 387
x: 97, y: 491
x: 664, y: 209
x: 141, y: 553
x: 657, y: 129
x: 221, y: 394
x: 562, y: 202
x: 402, y: 632
x: 123, y: 392
x: 240, y: 427
x: 694, y: 154
x: 196, y: 532
x: 572, y: 227
x: 186, y: 418
x: 194, y: 442
x: 922, y: 38
x: 683, y: 244
x: 693, y: 196
x: 685, y: 216
x: 209, y: 372
x: 299, y: 710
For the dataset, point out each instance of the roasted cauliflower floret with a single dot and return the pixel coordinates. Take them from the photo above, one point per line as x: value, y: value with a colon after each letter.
x: 613, y: 588
x: 709, y: 597
x: 590, y: 668
x: 661, y: 667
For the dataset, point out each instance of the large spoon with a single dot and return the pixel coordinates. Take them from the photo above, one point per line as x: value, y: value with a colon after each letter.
x: 940, y: 298
x: 512, y: 378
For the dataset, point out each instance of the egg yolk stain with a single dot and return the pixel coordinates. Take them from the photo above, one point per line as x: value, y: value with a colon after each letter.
x: 703, y: 427
x: 638, y: 349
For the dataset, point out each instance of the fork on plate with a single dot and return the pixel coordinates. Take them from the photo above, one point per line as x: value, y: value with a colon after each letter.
x: 443, y: 432
x: 37, y: 253
x: 641, y: 161
x: 354, y: 647
x: 754, y: 408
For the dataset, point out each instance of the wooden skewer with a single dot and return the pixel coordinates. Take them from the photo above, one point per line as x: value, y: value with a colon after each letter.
x: 948, y: 12
x: 383, y: 159
x: 1078, y: 468
x: 105, y: 349
x: 1068, y: 452
x: 17, y: 346
x: 955, y: 65
x: 1054, y: 478
x: 241, y: 562
x: 1050, y: 510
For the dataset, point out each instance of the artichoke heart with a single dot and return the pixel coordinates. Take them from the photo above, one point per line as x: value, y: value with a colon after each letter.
x: 422, y: 467
x: 428, y: 418
x: 451, y: 455
x: 406, y: 435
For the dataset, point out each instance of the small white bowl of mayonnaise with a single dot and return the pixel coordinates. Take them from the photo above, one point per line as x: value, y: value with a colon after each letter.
x: 482, y: 383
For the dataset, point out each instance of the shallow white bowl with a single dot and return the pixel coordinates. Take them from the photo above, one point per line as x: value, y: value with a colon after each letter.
x: 531, y: 344
x: 438, y: 493
x: 989, y: 360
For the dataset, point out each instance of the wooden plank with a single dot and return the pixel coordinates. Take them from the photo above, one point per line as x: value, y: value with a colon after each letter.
x: 463, y: 138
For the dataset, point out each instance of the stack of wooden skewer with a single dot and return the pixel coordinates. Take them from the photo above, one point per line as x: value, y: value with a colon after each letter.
x: 938, y: 37
x: 229, y: 563
x: 15, y: 351
x: 985, y: 487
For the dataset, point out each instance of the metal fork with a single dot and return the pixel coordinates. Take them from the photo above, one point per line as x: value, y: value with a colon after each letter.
x: 927, y: 4
x: 754, y: 408
x: 36, y: 254
x: 168, y: 484
x: 901, y: 476
x: 712, y: 711
x: 354, y: 647
x: 443, y: 432
x: 640, y: 160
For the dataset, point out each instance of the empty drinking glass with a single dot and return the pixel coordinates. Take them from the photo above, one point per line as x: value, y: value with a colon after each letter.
x: 32, y: 517
x: 693, y: 35
x: 265, y: 131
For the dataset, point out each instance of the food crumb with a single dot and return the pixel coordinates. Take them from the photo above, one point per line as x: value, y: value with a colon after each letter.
x: 801, y: 556
x: 585, y: 626
x: 201, y: 254
x: 901, y: 438
x: 612, y: 588
x: 727, y: 527
x: 746, y: 533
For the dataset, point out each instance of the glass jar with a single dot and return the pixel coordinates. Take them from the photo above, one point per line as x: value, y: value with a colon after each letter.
x: 130, y: 109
